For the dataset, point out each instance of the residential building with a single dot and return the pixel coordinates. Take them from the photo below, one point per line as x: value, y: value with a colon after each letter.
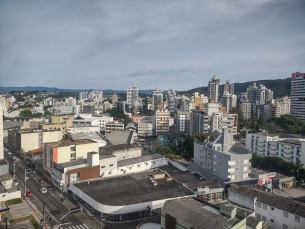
x: 83, y: 129
x: 297, y: 95
x: 261, y: 111
x: 228, y: 87
x: 157, y: 99
x: 83, y: 96
x: 274, y: 111
x: 145, y: 127
x: 96, y: 95
x: 290, y: 148
x: 35, y: 154
x: 245, y: 107
x: 222, y: 158
x: 276, y: 211
x: 213, y: 90
x: 114, y: 98
x: 70, y: 101
x: 234, y: 122
x: 115, y: 125
x: 57, y: 123
x: 1, y: 129
x: 229, y: 101
x: 30, y: 139
x: 133, y: 98
x: 66, y: 151
x: 161, y: 121
x: 171, y: 100
x: 259, y: 95
x: 137, y: 118
x: 88, y: 120
x: 89, y: 109
x: 192, y: 213
x: 197, y: 99
x: 64, y: 110
x: 284, y: 105
x: 183, y: 121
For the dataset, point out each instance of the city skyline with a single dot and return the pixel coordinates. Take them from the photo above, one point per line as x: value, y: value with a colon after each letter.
x: 81, y: 45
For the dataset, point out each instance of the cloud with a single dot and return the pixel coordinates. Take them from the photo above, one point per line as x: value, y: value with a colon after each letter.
x: 167, y: 44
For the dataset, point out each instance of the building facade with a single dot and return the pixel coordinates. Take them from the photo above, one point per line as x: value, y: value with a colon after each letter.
x: 161, y: 121
x: 133, y: 98
x: 297, y: 95
x: 213, y: 89
x: 183, y: 121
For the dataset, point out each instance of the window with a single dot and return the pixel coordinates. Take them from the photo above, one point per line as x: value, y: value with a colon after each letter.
x: 258, y: 204
x: 111, y: 165
x: 271, y: 220
x: 285, y: 226
x: 265, y: 206
x: 103, y: 166
x: 264, y: 218
x: 272, y: 208
x: 286, y: 214
x: 258, y: 216
x: 297, y: 218
x: 73, y: 154
x: 237, y: 163
x: 72, y: 148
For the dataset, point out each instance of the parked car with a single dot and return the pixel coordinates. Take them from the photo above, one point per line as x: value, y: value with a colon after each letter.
x: 43, y: 190
x: 29, y: 193
x: 41, y: 181
x: 9, y: 153
x: 51, y: 188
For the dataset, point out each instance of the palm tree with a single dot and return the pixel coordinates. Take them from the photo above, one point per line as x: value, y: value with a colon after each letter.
x: 296, y: 168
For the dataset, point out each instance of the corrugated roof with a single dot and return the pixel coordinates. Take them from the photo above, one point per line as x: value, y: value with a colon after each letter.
x: 38, y: 151
x: 68, y: 143
x: 288, y: 205
x: 135, y: 160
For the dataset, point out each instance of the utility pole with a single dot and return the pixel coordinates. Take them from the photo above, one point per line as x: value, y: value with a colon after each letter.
x: 24, y: 182
x: 14, y: 169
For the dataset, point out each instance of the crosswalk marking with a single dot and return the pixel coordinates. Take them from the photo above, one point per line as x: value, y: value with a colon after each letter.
x: 83, y: 226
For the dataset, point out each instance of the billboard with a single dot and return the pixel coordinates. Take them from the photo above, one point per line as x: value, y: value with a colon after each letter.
x: 266, y: 180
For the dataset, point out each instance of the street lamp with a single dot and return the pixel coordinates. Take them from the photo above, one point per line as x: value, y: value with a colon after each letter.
x: 65, y: 216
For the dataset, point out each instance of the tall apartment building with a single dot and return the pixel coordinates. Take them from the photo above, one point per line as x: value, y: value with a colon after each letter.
x: 161, y: 121
x: 145, y: 127
x: 89, y: 109
x: 70, y: 101
x: 222, y: 158
x: 228, y: 87
x: 183, y: 121
x: 284, y: 105
x: 1, y: 129
x: 157, y: 99
x: 114, y: 98
x: 65, y: 110
x: 245, y: 107
x: 297, y: 95
x: 213, y: 90
x: 83, y: 95
x: 262, y: 110
x: 96, y: 95
x: 197, y: 99
x: 209, y: 120
x: 229, y: 101
x: 274, y: 111
x: 259, y: 95
x: 171, y: 100
x: 287, y: 147
x: 133, y: 98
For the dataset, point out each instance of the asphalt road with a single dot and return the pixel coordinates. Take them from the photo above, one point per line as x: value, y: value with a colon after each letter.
x: 55, y: 209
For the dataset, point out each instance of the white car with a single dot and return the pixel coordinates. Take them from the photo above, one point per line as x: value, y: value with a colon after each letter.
x: 43, y: 190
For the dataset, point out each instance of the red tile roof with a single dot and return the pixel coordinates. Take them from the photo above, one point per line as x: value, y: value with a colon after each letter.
x: 38, y: 151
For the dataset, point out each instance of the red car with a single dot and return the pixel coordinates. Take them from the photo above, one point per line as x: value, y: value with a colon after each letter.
x: 29, y: 193
x: 41, y: 181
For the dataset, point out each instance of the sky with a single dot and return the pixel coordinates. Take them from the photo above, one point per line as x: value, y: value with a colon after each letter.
x: 171, y: 44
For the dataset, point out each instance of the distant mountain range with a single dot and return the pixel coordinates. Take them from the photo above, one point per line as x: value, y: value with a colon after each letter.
x: 280, y: 88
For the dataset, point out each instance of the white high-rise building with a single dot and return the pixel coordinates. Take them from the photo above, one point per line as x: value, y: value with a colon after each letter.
x: 297, y: 95
x: 229, y: 101
x: 259, y: 95
x: 96, y: 95
x: 246, y: 109
x: 171, y: 99
x: 133, y: 98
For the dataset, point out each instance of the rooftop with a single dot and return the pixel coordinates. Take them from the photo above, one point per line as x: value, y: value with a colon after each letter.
x: 112, y: 148
x: 73, y: 163
x: 140, y: 159
x: 38, y: 151
x: 3, y: 162
x: 292, y: 206
x: 131, y: 189
x: 117, y: 137
x: 69, y: 143
x: 196, y: 215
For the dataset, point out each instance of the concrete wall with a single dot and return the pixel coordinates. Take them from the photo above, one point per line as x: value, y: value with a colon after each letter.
x: 107, y: 162
x: 242, y: 200
x: 51, y: 136
x: 29, y: 141
x: 4, y: 169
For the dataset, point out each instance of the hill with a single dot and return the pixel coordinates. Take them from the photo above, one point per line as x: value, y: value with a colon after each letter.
x: 280, y: 87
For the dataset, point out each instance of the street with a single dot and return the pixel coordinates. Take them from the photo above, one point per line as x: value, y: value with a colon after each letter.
x: 54, y: 208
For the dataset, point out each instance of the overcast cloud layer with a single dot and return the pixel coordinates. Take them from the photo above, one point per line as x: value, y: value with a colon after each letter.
x: 82, y: 44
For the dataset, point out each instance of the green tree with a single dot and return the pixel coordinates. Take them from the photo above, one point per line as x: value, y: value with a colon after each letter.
x: 150, y: 112
x: 67, y: 137
x: 25, y: 113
